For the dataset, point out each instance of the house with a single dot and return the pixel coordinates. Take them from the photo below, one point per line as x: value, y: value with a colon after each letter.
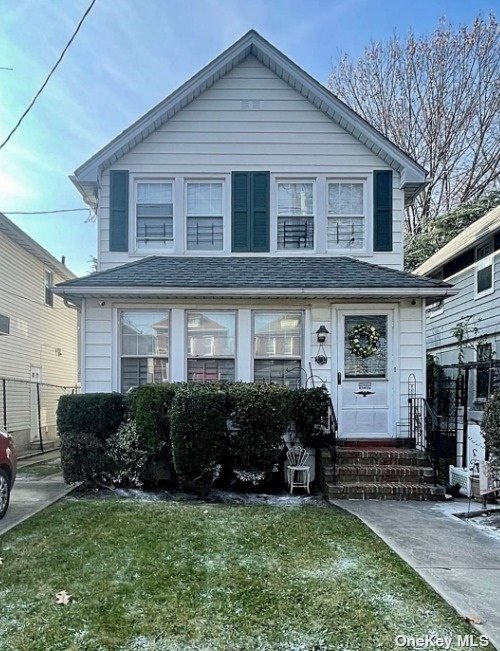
x: 245, y: 212
x: 471, y: 261
x: 38, y: 338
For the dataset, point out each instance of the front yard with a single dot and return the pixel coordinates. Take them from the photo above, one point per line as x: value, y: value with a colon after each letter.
x: 166, y: 576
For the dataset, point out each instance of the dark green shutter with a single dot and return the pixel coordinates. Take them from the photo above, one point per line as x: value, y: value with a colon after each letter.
x: 118, y: 210
x: 250, y: 211
x: 382, y: 210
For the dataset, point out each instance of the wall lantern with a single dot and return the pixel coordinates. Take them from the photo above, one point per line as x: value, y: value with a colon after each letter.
x: 321, y: 357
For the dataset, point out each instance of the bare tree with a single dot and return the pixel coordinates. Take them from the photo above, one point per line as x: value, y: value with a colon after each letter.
x: 438, y: 98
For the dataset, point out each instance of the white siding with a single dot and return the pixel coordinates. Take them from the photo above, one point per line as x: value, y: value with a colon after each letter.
x: 411, y: 351
x: 214, y: 135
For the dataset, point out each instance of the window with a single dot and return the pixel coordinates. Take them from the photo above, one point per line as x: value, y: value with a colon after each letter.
x: 483, y: 354
x: 346, y: 215
x: 295, y: 215
x: 211, y: 345
x: 484, y: 269
x: 204, y: 216
x: 154, y: 215
x: 374, y: 366
x: 48, y: 283
x: 436, y: 308
x: 278, y: 347
x: 4, y: 325
x: 144, y: 336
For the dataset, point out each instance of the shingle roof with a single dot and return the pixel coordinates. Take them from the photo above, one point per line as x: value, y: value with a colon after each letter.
x: 253, y: 272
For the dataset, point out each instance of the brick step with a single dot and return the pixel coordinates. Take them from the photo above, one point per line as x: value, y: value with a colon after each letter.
x: 381, y: 457
x: 380, y: 474
x: 388, y: 491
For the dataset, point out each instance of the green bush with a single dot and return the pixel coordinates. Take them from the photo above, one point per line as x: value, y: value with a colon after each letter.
x: 150, y: 407
x: 82, y: 457
x: 100, y: 414
x: 260, y: 416
x: 126, y: 456
x: 198, y: 430
x: 310, y: 414
x: 491, y: 425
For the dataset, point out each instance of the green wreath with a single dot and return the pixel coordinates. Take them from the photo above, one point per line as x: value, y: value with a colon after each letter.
x: 363, y: 340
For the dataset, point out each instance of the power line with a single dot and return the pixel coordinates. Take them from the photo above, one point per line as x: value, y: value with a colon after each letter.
x: 54, y: 67
x: 43, y: 212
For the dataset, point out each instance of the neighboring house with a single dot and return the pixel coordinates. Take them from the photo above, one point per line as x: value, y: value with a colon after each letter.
x: 237, y: 217
x: 38, y: 336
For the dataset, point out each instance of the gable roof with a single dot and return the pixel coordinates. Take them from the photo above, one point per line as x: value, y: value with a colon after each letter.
x: 413, y: 176
x: 470, y: 237
x: 15, y: 234
x: 278, y: 276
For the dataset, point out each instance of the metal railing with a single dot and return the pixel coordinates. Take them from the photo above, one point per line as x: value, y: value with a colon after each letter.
x: 28, y: 411
x: 332, y: 436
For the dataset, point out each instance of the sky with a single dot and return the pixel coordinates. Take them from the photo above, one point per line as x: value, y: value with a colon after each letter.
x: 127, y: 57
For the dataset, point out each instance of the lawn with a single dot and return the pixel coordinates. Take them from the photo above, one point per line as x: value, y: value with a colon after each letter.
x: 163, y: 576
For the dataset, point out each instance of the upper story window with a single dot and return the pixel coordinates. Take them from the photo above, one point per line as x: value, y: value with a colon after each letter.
x: 211, y: 336
x: 346, y: 215
x: 4, y: 325
x: 296, y: 215
x: 204, y: 216
x: 154, y: 215
x: 48, y: 283
x: 484, y: 269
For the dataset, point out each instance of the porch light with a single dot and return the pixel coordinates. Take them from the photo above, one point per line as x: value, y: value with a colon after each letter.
x: 321, y: 333
x: 321, y: 357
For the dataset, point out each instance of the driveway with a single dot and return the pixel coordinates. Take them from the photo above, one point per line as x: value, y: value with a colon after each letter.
x: 456, y: 558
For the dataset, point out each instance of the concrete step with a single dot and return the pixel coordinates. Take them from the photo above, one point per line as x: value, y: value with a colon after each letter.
x: 379, y: 456
x: 381, y: 474
x: 386, y: 491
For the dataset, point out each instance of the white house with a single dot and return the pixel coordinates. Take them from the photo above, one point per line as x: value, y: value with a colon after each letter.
x: 236, y: 218
x: 38, y: 337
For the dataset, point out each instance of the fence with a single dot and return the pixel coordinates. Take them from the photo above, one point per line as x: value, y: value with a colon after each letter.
x: 28, y: 412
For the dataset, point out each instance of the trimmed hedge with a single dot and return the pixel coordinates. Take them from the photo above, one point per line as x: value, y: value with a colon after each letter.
x: 198, y: 428
x: 310, y: 414
x: 150, y: 407
x: 100, y: 414
x: 260, y: 416
x: 82, y: 457
x: 491, y: 425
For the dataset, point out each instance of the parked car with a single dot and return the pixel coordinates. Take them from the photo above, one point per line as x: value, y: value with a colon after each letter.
x: 8, y: 464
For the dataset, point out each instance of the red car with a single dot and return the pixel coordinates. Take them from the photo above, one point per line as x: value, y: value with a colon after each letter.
x: 7, y: 470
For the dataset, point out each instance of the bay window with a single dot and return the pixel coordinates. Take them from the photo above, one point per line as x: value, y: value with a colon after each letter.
x: 204, y: 216
x: 296, y: 215
x: 144, y: 341
x: 154, y: 213
x: 346, y: 215
x: 278, y: 347
x: 211, y: 336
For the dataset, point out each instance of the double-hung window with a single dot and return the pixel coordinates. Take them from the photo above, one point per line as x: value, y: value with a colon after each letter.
x: 346, y: 215
x: 296, y: 215
x: 48, y: 282
x: 154, y: 212
x: 484, y: 354
x: 484, y: 269
x: 278, y: 347
x: 211, y: 346
x: 204, y: 215
x: 144, y: 339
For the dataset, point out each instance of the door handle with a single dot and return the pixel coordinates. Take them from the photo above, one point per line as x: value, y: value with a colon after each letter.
x: 339, y: 378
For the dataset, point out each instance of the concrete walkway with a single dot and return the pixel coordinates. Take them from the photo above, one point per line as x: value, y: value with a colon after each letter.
x: 453, y: 556
x: 31, y: 495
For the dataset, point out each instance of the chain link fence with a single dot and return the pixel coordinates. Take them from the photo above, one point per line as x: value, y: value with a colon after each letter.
x: 28, y: 411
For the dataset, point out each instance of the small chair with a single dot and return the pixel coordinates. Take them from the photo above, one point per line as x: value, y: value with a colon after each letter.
x: 298, y: 474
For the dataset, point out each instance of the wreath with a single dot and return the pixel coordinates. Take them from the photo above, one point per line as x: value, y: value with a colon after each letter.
x: 363, y: 340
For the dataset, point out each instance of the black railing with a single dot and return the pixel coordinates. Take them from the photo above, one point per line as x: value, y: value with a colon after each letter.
x: 331, y: 436
x: 424, y: 434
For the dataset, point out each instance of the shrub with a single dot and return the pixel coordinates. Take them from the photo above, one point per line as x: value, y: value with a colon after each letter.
x: 491, y: 425
x: 100, y: 414
x: 198, y: 429
x: 310, y: 414
x: 82, y: 457
x: 260, y: 416
x: 150, y: 407
x: 126, y: 455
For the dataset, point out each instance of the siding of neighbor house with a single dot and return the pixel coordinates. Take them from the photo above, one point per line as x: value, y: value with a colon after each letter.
x: 484, y: 310
x: 287, y: 135
x: 36, y: 331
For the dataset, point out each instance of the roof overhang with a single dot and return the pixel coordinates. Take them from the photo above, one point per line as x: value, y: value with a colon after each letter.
x: 413, y: 176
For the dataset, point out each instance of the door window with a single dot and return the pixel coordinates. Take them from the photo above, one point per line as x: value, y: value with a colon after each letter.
x: 365, y: 346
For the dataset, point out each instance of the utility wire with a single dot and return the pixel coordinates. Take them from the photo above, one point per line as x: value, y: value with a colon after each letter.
x: 2, y: 145
x: 43, y: 212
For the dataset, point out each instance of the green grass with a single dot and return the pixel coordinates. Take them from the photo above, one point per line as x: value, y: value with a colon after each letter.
x: 169, y: 577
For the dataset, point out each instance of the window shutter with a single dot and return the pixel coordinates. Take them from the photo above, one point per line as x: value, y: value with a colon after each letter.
x: 118, y: 210
x: 382, y: 210
x: 250, y: 211
x: 260, y: 211
x: 240, y: 198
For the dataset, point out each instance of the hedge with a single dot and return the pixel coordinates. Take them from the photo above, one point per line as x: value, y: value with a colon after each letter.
x: 310, y: 414
x: 150, y: 407
x: 100, y: 414
x: 491, y: 425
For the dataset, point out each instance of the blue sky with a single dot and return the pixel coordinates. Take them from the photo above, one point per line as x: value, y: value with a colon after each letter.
x: 132, y: 53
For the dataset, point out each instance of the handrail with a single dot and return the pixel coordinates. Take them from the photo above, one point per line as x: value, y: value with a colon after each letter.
x: 333, y: 427
x: 424, y: 429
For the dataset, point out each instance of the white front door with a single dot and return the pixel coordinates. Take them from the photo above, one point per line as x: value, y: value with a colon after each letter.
x: 365, y: 374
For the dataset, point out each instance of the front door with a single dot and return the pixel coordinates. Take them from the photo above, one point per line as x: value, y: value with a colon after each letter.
x: 365, y: 374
